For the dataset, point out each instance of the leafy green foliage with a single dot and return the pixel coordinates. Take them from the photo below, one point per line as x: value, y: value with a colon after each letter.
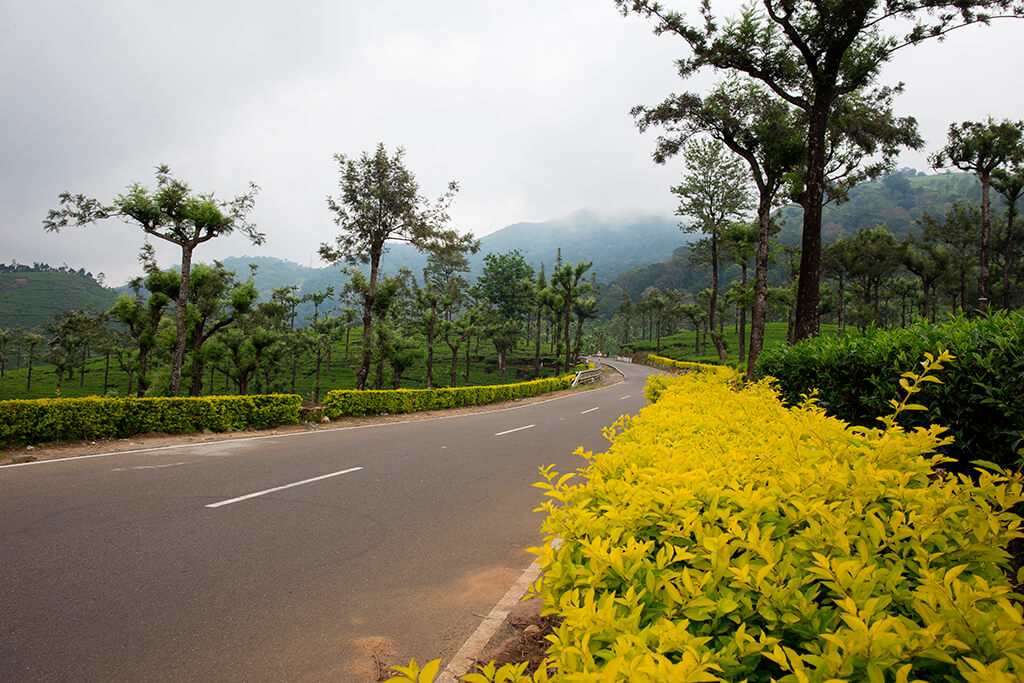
x: 855, y: 376
x: 352, y: 402
x: 39, y: 420
x: 699, y: 549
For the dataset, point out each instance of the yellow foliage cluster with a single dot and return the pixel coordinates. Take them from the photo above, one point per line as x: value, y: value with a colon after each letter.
x: 724, y: 373
x: 724, y: 536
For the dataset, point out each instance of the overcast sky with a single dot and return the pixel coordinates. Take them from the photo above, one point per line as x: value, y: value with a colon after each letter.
x: 525, y: 104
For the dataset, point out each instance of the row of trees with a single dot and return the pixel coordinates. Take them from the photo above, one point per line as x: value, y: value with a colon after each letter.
x: 220, y: 324
x: 802, y: 107
x: 37, y: 267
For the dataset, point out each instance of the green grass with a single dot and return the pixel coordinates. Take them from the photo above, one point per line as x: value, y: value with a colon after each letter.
x: 483, y: 370
x: 681, y: 346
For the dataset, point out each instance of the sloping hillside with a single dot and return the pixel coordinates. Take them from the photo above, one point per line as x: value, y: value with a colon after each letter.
x: 29, y: 299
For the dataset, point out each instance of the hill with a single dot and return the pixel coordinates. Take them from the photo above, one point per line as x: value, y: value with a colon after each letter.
x: 897, y: 200
x: 31, y: 298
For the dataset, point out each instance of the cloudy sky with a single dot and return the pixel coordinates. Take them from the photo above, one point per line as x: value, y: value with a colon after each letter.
x: 525, y: 104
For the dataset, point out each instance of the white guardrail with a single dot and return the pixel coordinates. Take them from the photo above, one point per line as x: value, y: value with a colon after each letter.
x: 584, y: 376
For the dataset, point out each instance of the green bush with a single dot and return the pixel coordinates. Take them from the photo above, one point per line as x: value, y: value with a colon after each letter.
x: 724, y: 536
x: 346, y: 402
x: 981, y: 399
x: 61, y: 419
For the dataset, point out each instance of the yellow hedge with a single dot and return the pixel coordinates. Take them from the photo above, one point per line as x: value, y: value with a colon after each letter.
x: 723, y: 372
x: 724, y: 536
x: 60, y: 419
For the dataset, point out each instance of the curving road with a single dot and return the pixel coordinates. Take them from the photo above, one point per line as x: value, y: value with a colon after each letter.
x: 313, y: 556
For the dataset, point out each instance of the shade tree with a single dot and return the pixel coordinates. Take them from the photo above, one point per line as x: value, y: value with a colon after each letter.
x: 379, y: 201
x: 981, y: 148
x: 171, y: 212
x: 812, y: 55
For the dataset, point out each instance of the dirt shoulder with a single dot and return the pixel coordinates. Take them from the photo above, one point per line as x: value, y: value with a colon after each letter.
x: 50, y: 451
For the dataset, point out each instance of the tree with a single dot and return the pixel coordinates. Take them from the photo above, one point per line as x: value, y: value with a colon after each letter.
x: 1009, y: 182
x: 766, y: 134
x: 929, y: 262
x: 713, y: 193
x: 141, y: 319
x: 538, y: 287
x: 959, y: 232
x: 7, y: 341
x: 216, y: 301
x: 506, y: 289
x: 739, y: 243
x: 811, y: 55
x: 874, y: 259
x: 379, y: 201
x: 838, y: 261
x: 173, y: 213
x: 565, y: 287
x: 442, y: 288
x: 981, y: 148
x: 30, y: 341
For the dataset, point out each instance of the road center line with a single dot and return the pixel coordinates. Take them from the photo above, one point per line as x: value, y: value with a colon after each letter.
x: 588, y: 411
x: 517, y: 429
x: 623, y: 398
x: 281, y: 488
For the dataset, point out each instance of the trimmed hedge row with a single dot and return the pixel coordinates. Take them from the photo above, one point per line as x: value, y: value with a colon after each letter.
x: 724, y: 536
x: 856, y: 373
x: 60, y: 419
x: 347, y: 402
x: 723, y: 372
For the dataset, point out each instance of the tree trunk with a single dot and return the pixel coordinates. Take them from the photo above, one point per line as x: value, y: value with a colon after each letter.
x: 759, y: 311
x: 983, y: 252
x: 179, y: 318
x: 536, y: 355
x: 743, y: 315
x: 430, y: 346
x: 368, y: 299
x: 567, y: 316
x: 1011, y: 212
x: 455, y: 362
x: 807, y: 294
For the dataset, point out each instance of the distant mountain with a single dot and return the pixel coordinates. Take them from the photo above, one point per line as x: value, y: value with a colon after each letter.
x: 29, y: 299
x: 613, y: 244
x: 897, y: 200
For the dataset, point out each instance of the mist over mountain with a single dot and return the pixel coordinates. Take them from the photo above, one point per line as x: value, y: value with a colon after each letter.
x: 636, y: 251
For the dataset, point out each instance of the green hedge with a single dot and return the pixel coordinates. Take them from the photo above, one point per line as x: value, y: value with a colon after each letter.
x: 981, y: 398
x: 346, y: 402
x: 61, y: 419
x: 726, y: 537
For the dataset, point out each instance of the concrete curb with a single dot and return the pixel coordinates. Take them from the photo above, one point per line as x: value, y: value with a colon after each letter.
x: 470, y: 652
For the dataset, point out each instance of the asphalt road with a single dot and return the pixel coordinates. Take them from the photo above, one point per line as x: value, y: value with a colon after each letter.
x: 312, y: 556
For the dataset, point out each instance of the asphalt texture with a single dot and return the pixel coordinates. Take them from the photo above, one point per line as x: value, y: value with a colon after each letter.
x: 363, y: 547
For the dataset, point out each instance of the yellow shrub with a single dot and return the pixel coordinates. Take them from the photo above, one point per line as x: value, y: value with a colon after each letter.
x: 723, y: 536
x: 722, y: 372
